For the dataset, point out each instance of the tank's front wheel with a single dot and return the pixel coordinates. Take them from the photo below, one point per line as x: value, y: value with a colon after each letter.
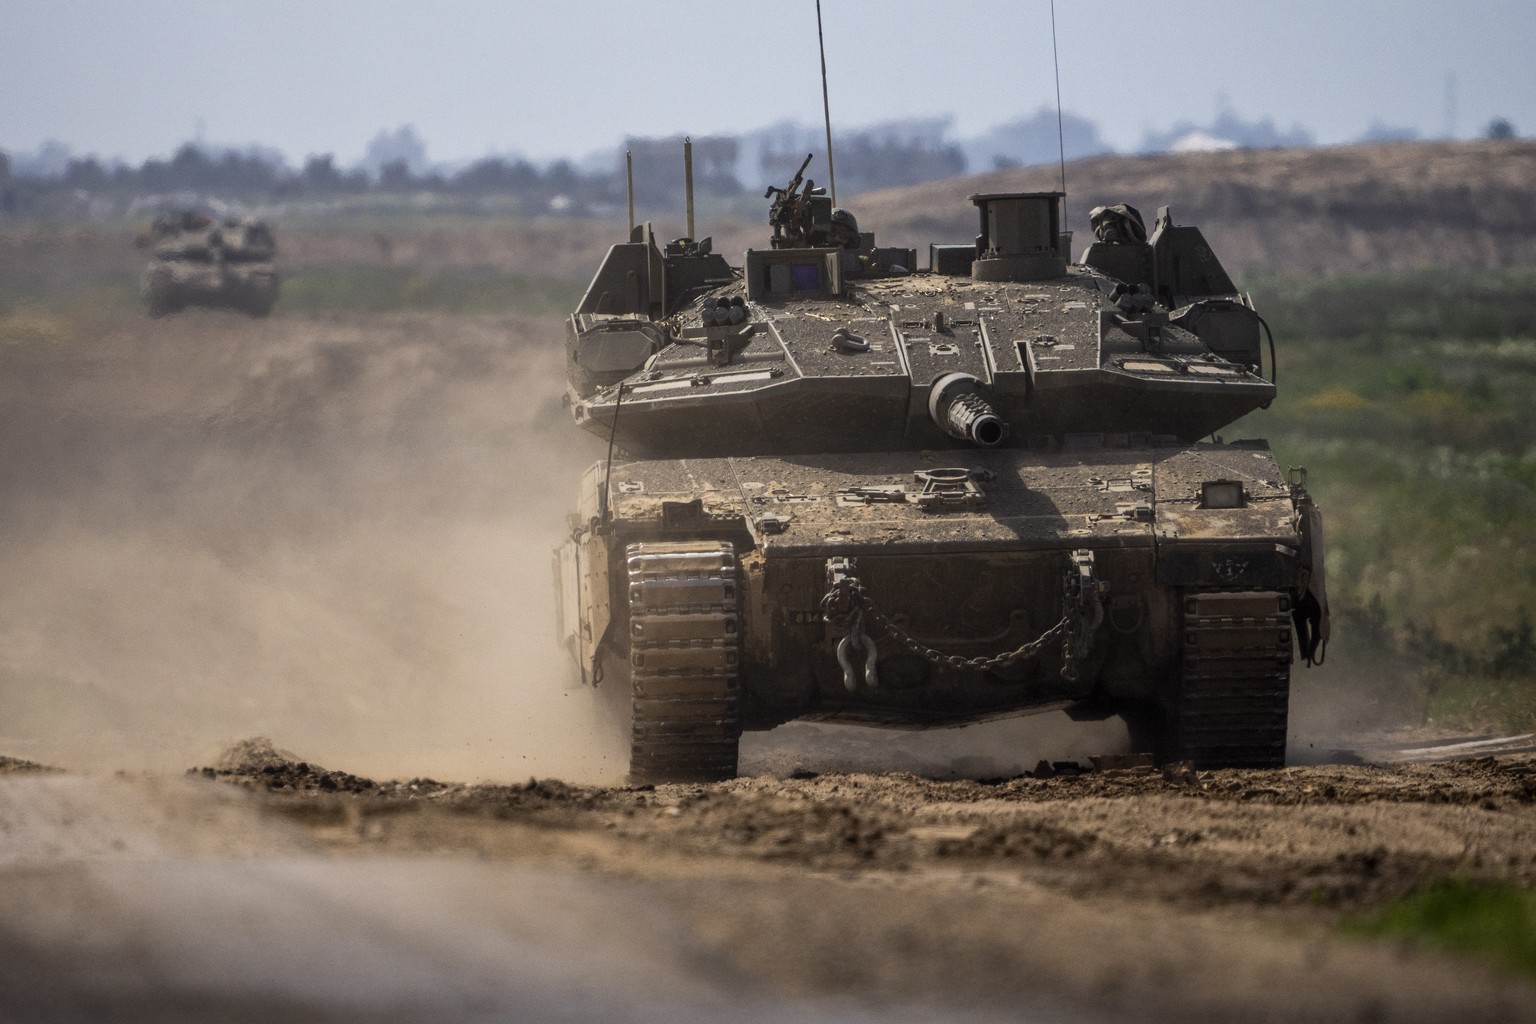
x: 685, y: 650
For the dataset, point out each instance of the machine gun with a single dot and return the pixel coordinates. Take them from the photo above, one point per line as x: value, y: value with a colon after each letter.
x: 795, y: 215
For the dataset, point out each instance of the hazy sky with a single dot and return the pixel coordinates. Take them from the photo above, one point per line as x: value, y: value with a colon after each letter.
x: 136, y: 78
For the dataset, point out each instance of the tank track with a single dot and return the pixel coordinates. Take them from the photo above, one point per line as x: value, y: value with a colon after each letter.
x: 685, y: 652
x: 1231, y: 706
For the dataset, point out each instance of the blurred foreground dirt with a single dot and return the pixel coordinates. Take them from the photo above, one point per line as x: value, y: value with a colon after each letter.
x: 316, y: 894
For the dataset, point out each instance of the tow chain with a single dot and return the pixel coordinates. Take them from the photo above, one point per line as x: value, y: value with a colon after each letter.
x: 847, y: 607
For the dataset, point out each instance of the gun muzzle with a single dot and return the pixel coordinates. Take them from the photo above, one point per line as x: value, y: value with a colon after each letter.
x: 957, y: 406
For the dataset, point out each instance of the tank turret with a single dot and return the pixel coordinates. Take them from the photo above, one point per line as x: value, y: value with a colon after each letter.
x: 858, y: 489
x: 199, y: 260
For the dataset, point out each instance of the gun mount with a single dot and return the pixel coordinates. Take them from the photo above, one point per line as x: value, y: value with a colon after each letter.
x: 805, y: 219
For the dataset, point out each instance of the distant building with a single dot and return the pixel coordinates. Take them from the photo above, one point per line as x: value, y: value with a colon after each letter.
x: 1226, y: 131
x: 1032, y: 140
x: 885, y: 155
x: 401, y: 150
x: 1380, y: 131
x: 1200, y: 141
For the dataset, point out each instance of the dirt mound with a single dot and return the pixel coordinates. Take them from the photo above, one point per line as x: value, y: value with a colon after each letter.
x: 1334, y: 835
x: 253, y: 755
x: 1340, y: 209
x: 915, y: 899
x: 9, y: 765
x: 258, y: 763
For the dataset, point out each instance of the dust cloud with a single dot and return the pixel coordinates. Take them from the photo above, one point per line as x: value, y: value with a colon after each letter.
x: 336, y: 530
x: 333, y: 531
x: 1366, y: 690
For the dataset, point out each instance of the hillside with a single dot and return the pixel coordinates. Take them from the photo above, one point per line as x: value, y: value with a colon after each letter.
x: 1365, y: 208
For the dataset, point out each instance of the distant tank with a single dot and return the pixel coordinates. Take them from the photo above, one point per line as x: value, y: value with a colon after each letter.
x: 197, y: 260
x: 849, y: 489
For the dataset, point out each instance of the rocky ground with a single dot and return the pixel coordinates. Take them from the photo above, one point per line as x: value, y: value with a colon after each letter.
x: 1326, y: 836
x: 1121, y: 893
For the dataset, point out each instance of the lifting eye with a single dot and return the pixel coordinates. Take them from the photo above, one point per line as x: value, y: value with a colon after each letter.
x: 1222, y: 494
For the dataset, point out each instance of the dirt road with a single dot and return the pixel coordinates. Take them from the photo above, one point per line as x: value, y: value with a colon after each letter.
x: 270, y: 887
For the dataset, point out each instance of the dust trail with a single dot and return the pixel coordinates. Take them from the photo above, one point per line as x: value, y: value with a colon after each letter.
x: 1367, y: 690
x: 334, y: 531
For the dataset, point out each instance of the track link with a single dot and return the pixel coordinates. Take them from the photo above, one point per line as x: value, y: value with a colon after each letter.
x: 685, y: 649
x: 1231, y: 707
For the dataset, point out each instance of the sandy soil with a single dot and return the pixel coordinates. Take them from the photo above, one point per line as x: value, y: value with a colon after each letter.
x: 317, y: 894
x: 335, y: 530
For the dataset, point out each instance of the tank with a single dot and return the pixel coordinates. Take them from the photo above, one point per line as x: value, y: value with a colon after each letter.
x: 844, y: 487
x: 198, y: 260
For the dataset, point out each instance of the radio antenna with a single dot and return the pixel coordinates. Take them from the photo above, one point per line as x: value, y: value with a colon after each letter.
x: 1061, y: 140
x: 629, y: 177
x: 688, y: 181
x: 826, y: 107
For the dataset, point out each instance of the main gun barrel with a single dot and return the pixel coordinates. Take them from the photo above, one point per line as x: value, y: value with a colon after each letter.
x: 957, y: 407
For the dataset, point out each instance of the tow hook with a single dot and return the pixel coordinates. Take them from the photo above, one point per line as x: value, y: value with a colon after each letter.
x: 1085, y: 612
x: 841, y: 582
x: 847, y: 608
x: 847, y: 649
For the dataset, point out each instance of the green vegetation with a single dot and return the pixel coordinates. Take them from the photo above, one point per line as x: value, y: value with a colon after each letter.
x: 1487, y: 305
x: 29, y: 328
x: 58, y: 270
x: 1494, y: 921
x: 1410, y: 400
x: 117, y: 296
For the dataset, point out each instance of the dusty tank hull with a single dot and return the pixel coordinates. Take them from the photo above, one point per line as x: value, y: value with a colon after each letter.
x: 855, y: 492
x: 169, y: 287
x: 1195, y: 637
x: 198, y: 261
